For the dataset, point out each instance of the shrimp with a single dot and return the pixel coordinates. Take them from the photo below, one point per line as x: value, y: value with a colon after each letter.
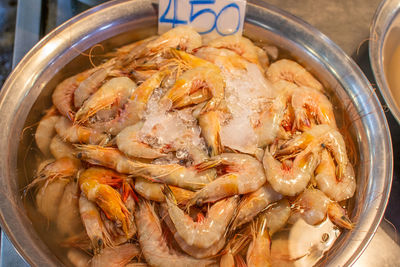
x: 269, y: 125
x: 60, y: 149
x: 152, y: 241
x: 95, y: 184
x: 63, y: 168
x: 115, y: 256
x: 207, y: 232
x: 210, y: 129
x: 129, y: 142
x: 194, y: 251
x: 244, y: 175
x: 94, y: 226
x: 134, y: 109
x: 319, y: 137
x: 116, y: 90
x: 327, y: 182
x: 89, y: 86
x: 254, y: 203
x: 153, y: 191
x: 259, y: 251
x: 45, y: 132
x: 290, y: 179
x: 313, y: 205
x: 78, y: 258
x: 49, y: 196
x: 310, y: 104
x: 241, y: 45
x: 183, y: 38
x: 234, y: 246
x: 196, y: 79
x: 172, y: 174
x: 64, y: 93
x: 202, y: 75
x: 68, y: 220
x: 79, y: 134
x: 291, y: 71
x: 277, y: 215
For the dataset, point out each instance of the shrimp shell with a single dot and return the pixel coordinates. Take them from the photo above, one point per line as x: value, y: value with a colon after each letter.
x: 194, y: 251
x: 115, y: 256
x: 154, y: 246
x: 254, y: 203
x: 245, y: 174
x: 207, y: 232
x: 45, y: 132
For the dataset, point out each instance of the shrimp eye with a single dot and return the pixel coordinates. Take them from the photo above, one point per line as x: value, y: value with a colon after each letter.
x: 100, y: 242
x: 79, y: 155
x: 199, y: 202
x: 323, y: 145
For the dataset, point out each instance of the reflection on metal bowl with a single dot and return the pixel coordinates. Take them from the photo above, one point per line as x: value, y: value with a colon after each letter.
x: 28, y: 89
x: 384, y: 52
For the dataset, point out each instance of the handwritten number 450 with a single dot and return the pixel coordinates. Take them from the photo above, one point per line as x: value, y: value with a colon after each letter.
x: 196, y: 15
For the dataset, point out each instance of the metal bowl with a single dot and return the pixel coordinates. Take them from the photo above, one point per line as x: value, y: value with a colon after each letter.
x: 384, y: 39
x: 28, y: 89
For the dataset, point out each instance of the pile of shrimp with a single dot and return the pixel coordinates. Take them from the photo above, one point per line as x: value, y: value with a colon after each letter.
x: 175, y: 152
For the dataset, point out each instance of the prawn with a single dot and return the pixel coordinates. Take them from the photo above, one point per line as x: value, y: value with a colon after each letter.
x: 327, y: 182
x: 194, y: 251
x: 207, y: 232
x: 244, y: 174
x: 60, y: 149
x: 78, y: 258
x: 310, y: 104
x: 64, y: 93
x: 48, y: 198
x: 115, y: 256
x: 290, y: 179
x: 79, y: 134
x: 291, y: 71
x: 255, y: 202
x: 172, y: 174
x: 68, y: 220
x: 183, y: 38
x: 45, y: 132
x: 95, y: 184
x: 315, y: 139
x: 94, y: 225
x: 234, y: 246
x: 277, y: 215
x: 134, y: 109
x: 201, y: 75
x: 153, y: 191
x: 90, y: 85
x: 153, y: 244
x: 313, y: 206
x: 195, y: 79
x: 63, y: 168
x: 242, y: 46
x: 259, y: 251
x: 129, y: 143
x: 116, y: 90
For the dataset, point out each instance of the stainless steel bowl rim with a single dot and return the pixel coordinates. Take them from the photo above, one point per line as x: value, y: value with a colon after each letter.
x: 26, y: 82
x: 381, y: 22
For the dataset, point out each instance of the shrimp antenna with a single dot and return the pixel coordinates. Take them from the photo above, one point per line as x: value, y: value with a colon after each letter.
x: 169, y: 194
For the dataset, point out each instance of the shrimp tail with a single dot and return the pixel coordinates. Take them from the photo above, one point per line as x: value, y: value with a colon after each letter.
x: 338, y: 215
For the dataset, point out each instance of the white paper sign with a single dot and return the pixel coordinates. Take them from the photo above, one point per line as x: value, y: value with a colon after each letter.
x: 208, y: 17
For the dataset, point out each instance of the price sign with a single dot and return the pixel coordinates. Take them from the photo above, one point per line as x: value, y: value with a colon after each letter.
x: 208, y: 17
